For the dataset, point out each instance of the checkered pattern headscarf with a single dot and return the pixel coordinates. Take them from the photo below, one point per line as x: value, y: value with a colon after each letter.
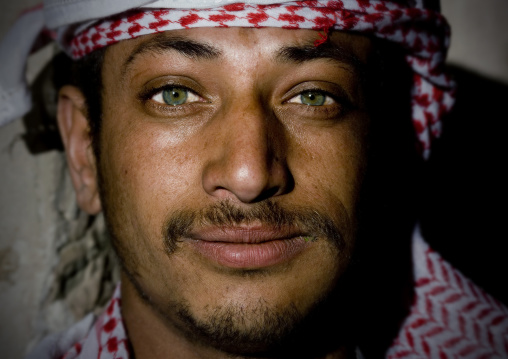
x: 450, y: 317
x: 419, y: 29
x: 424, y: 33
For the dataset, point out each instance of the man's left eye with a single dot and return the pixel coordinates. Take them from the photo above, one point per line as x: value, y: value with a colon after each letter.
x: 312, y: 98
x: 174, y: 96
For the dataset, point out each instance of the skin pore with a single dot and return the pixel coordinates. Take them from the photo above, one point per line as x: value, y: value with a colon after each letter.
x: 251, y: 136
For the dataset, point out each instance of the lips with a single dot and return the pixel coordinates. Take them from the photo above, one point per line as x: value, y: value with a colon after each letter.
x: 248, y: 247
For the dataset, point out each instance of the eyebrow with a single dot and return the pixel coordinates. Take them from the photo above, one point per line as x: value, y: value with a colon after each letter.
x: 286, y: 54
x: 310, y: 52
x: 162, y: 43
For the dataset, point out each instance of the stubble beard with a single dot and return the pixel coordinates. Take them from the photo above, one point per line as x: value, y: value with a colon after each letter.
x: 236, y: 329
x: 257, y: 328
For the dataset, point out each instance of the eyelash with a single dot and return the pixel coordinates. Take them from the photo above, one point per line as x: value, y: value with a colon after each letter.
x: 328, y: 96
x: 151, y: 93
x: 338, y: 107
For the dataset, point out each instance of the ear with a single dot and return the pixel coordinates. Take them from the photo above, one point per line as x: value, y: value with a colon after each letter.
x: 74, y: 129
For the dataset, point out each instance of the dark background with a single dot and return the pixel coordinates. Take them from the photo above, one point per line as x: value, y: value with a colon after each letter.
x: 465, y: 211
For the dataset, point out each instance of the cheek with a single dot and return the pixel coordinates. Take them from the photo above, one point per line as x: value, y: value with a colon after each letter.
x: 146, y: 177
x: 329, y: 165
x: 150, y: 163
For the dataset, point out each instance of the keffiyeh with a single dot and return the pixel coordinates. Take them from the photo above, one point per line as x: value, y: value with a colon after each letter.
x: 450, y: 318
x: 82, y: 27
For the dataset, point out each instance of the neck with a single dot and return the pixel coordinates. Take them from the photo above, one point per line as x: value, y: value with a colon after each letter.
x: 153, y: 336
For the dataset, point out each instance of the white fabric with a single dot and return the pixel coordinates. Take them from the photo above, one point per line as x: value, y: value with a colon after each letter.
x: 15, y: 99
x: 56, y: 345
x: 64, y: 12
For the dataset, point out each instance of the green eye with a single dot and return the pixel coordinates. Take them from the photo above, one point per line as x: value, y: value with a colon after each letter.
x: 175, y: 96
x: 312, y: 98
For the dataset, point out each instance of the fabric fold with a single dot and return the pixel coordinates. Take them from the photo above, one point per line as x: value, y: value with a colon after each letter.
x: 15, y: 99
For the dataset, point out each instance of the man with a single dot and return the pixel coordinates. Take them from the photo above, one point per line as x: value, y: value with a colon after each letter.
x: 239, y: 171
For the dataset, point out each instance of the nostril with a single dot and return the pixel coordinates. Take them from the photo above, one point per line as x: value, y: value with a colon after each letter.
x: 254, y: 187
x: 249, y: 163
x: 271, y: 192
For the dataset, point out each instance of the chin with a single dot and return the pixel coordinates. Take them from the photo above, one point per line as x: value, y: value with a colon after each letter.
x: 241, y: 329
x: 270, y: 325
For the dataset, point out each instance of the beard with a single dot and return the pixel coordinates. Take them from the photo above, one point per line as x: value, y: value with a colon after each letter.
x: 241, y: 329
x: 261, y: 330
x: 258, y: 327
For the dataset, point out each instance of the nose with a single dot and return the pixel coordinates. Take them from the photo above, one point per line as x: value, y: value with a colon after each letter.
x: 248, y: 161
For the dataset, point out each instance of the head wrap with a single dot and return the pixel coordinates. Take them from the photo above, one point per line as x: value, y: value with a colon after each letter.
x: 83, y: 26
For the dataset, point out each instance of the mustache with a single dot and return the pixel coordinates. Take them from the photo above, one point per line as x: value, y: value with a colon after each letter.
x: 267, y: 213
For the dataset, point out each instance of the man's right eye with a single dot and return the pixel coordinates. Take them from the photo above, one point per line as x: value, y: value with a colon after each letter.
x: 174, y: 96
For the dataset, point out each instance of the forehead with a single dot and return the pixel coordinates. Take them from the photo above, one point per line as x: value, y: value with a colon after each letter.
x: 241, y: 45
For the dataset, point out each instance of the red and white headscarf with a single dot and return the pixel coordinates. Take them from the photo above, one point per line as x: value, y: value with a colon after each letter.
x: 83, y: 26
x: 450, y: 318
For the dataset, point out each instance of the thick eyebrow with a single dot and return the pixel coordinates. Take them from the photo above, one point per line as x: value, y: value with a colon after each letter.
x: 310, y: 52
x: 163, y: 43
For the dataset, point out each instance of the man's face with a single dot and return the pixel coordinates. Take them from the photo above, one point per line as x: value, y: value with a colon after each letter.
x: 231, y: 165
